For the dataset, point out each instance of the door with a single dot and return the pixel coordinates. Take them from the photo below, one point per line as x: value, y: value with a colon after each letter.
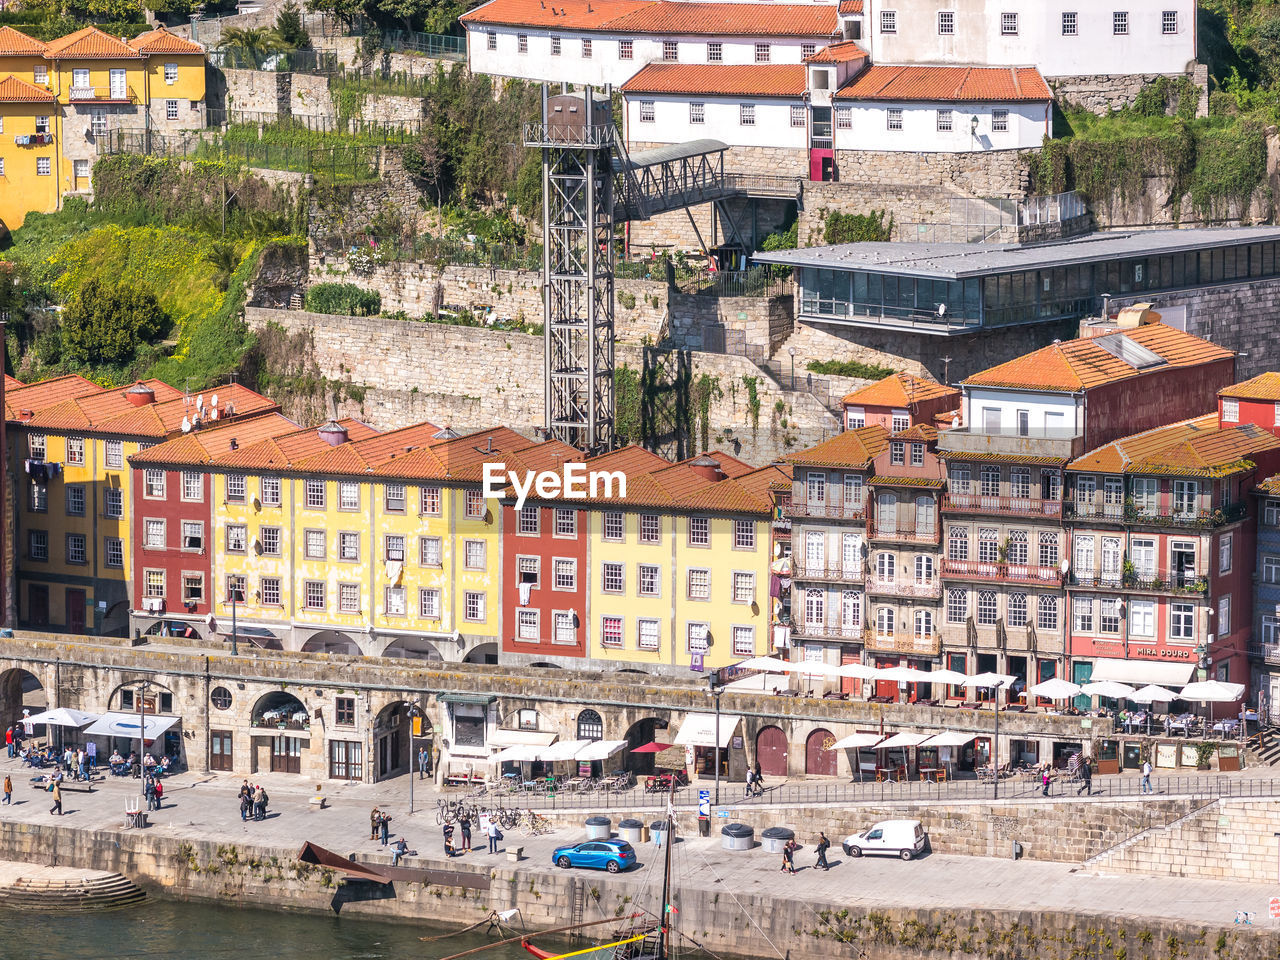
x: 286, y: 755
x: 1018, y: 667
x: 1080, y: 674
x: 220, y: 750
x: 38, y: 605
x: 887, y: 688
x: 80, y: 174
x: 819, y: 758
x: 80, y: 81
x: 886, y: 515
x: 118, y: 89
x: 771, y: 752
x: 75, y: 611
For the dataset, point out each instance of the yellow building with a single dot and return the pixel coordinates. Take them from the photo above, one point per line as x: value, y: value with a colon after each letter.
x: 94, y: 83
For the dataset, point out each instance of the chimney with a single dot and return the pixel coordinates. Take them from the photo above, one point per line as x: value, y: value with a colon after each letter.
x: 333, y: 433
x: 708, y: 468
x: 234, y: 445
x: 140, y: 395
x: 448, y: 433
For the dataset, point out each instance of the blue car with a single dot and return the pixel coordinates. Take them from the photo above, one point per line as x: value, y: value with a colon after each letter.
x: 611, y: 855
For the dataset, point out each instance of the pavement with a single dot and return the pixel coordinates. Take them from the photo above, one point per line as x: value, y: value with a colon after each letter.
x: 205, y: 807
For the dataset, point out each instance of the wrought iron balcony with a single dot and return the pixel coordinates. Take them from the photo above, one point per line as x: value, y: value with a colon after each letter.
x: 802, y: 570
x: 1266, y: 652
x: 101, y: 95
x: 903, y: 533
x: 823, y: 509
x: 1158, y: 515
x: 1010, y: 506
x: 1004, y: 572
x: 905, y: 587
x: 827, y: 631
x: 1143, y: 581
x: 929, y: 645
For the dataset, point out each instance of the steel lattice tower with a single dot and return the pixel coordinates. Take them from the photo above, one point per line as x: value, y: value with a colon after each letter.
x: 577, y: 141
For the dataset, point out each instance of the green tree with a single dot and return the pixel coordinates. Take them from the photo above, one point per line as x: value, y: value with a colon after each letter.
x: 348, y: 11
x: 254, y: 44
x: 106, y: 323
x: 289, y: 28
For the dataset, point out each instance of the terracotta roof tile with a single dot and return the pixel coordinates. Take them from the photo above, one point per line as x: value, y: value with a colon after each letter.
x: 948, y: 84
x: 79, y: 410
x: 90, y: 44
x: 690, y: 17
x: 460, y: 460
x: 737, y: 80
x: 900, y: 390
x: 1270, y: 486
x: 30, y: 398
x: 850, y: 8
x: 368, y: 454
x: 920, y: 431
x: 1076, y: 365
x: 843, y: 52
x: 109, y: 411
x: 853, y: 448
x: 160, y: 40
x: 11, y: 382
x: 1199, y: 447
x: 204, y: 446
x: 278, y: 453
x: 14, y: 43
x: 889, y: 480
x: 1265, y: 386
x: 565, y: 14
x: 14, y: 90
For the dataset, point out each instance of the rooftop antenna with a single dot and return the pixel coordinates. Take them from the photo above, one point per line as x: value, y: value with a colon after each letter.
x: 946, y: 371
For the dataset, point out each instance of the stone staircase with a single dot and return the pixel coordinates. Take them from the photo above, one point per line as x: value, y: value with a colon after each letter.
x: 84, y: 895
x: 1263, y: 748
x: 1150, y: 835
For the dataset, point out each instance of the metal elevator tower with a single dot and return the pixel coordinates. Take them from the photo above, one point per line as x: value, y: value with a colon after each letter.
x: 577, y: 139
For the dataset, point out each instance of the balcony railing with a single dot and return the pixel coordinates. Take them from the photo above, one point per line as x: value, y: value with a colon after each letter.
x: 266, y: 724
x: 1143, y: 581
x: 827, y: 631
x: 905, y: 534
x: 905, y: 587
x: 1266, y: 652
x: 1007, y: 572
x: 802, y: 570
x: 101, y: 95
x: 1158, y: 515
x: 826, y: 509
x: 1013, y: 506
x: 1089, y: 510
x: 925, y: 646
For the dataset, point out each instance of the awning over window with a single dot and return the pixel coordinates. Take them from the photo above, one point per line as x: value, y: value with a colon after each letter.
x: 128, y: 725
x: 515, y: 738
x: 474, y: 699
x: 699, y: 729
x: 1141, y: 672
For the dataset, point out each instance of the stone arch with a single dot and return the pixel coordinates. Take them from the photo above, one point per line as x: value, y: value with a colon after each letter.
x: 332, y: 641
x: 278, y: 707
x: 771, y: 751
x: 178, y: 628
x: 543, y: 663
x: 413, y: 648
x: 392, y: 741
x: 124, y: 698
x: 20, y: 688
x: 115, y: 622
x: 819, y: 758
x: 644, y: 730
x: 482, y: 653
x: 590, y: 725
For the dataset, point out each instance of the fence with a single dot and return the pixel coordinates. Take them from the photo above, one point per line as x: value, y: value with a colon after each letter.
x: 764, y: 281
x: 377, y: 248
x: 436, y: 45
x: 993, y: 219
x: 319, y: 62
x: 371, y: 132
x: 803, y: 380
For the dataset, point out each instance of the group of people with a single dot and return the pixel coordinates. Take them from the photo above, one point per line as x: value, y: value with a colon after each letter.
x: 789, y: 854
x: 253, y: 802
x: 153, y: 790
x: 755, y: 782
x: 380, y: 826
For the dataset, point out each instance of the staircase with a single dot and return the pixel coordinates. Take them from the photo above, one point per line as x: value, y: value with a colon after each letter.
x: 101, y: 892
x: 1263, y: 748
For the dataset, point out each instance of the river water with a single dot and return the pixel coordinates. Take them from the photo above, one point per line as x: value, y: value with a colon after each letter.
x: 168, y: 930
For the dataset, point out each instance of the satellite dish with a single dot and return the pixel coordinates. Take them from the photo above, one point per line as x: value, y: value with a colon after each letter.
x: 942, y: 309
x: 214, y: 400
x: 186, y: 425
x: 200, y: 401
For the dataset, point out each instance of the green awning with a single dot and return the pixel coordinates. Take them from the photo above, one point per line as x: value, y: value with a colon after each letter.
x: 475, y: 699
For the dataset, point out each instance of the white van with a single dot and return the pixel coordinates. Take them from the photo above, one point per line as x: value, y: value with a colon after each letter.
x: 903, y: 838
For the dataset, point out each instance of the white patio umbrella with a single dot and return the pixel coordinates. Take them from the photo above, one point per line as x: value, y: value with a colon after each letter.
x: 857, y: 740
x: 63, y: 717
x: 904, y: 675
x: 859, y: 670
x: 988, y: 680
x: 1212, y: 691
x: 767, y: 664
x: 1054, y: 688
x: 948, y: 739
x: 1153, y: 693
x: 903, y: 740
x: 1108, y: 688
x: 813, y: 668
x: 950, y: 677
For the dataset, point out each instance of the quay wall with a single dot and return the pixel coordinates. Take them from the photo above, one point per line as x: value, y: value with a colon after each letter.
x: 266, y: 876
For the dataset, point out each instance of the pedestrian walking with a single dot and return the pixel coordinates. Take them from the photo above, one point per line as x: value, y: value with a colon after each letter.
x: 424, y: 762
x: 823, y: 846
x: 1046, y: 778
x: 8, y: 739
x: 464, y: 824
x: 91, y: 751
x: 789, y: 857
x: 384, y: 828
x: 1146, y: 777
x: 149, y: 791
x: 82, y: 764
x: 8, y: 789
x: 757, y: 781
x: 57, y: 799
x: 1086, y: 777
x: 494, y: 835
x: 374, y: 816
x: 751, y: 777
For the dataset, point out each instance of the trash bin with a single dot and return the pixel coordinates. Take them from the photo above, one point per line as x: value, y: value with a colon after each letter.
x: 631, y: 830
x: 774, y: 839
x: 737, y: 836
x: 704, y: 826
x: 599, y: 828
x: 658, y: 830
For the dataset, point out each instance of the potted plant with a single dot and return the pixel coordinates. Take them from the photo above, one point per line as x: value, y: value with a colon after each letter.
x: 1128, y: 573
x: 1204, y: 753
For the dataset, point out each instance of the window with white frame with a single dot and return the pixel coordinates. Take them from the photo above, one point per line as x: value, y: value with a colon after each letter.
x: 816, y: 488
x: 314, y: 497
x: 924, y: 570
x: 646, y: 111
x: 1270, y: 629
x: 153, y: 534
x: 815, y: 607
x: 395, y: 498
x: 39, y: 497
x: 1169, y: 22
x: 944, y: 121
x: 113, y: 551
x: 192, y: 588
x: 564, y: 627
x: 1082, y: 614
x: 529, y: 570
x: 313, y: 594
x: 744, y: 641
x: 429, y: 551
x: 958, y: 477
x: 987, y: 608
x: 762, y: 53
x: 699, y: 584
x: 670, y: 51
x: 270, y: 487
x: 396, y: 602
x: 491, y: 40
x: 850, y: 608
x: 1270, y: 569
x: 888, y: 21
x: 236, y: 488
x: 393, y: 547
x: 473, y: 607
x: 988, y: 544
x: 853, y: 492
x: 153, y: 584
x: 1223, y: 626
x: 37, y: 545
x: 744, y: 535
x: 1120, y: 23
x: 192, y: 535
x: 75, y: 499
x: 1016, y: 545
x: 430, y: 501
x: 844, y: 121
x: 747, y: 114
x: 1186, y: 497
x: 626, y: 49
x: 797, y: 114
x: 1182, y: 621
x: 957, y: 605
x: 650, y: 528
x: 715, y: 52
x: 611, y: 631
x: 924, y: 624
x: 44, y: 166
x: 1009, y: 24
x: 999, y: 120
x: 271, y: 541
x: 566, y: 522
x: 613, y: 577
x: 237, y: 537
x: 648, y: 634
x: 697, y: 113
x: 649, y: 580
x: 529, y: 520
x: 171, y: 109
x: 348, y: 598
x: 744, y: 587
x: 1226, y: 544
x: 885, y: 622
x: 614, y: 527
x: 886, y: 567
x: 153, y: 484
x: 1070, y: 23
x: 893, y: 121
x: 808, y: 50
x: 474, y: 504
x: 40, y: 74
x: 586, y: 48
x: 897, y: 453
x: 313, y: 544
x: 555, y: 46
x: 348, y: 545
x: 565, y: 574
x: 946, y: 23
x: 958, y: 543
x: 1046, y: 613
x: 1049, y: 551
x: 75, y: 548
x: 699, y: 532
x: 1271, y: 513
x: 1142, y: 618
x: 429, y: 603
x: 474, y: 554
x: 1230, y: 411
x: 269, y: 587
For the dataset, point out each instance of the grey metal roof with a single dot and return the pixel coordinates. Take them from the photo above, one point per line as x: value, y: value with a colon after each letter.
x: 673, y: 151
x: 951, y: 261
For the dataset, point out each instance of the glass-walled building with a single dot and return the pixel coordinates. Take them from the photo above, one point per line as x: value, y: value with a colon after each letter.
x: 958, y: 288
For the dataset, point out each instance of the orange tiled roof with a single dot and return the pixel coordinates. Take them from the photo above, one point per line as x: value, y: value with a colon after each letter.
x: 1199, y: 447
x: 842, y: 52
x: 733, y: 80
x: 109, y: 411
x: 14, y: 90
x: 368, y: 454
x: 11, y: 382
x: 565, y: 14
x: 1271, y: 485
x: 460, y: 460
x: 1265, y: 386
x: 948, y: 84
x: 1076, y: 365
x: 690, y: 17
x: 920, y: 431
x: 25, y: 400
x: 850, y: 8
x: 14, y: 43
x: 203, y: 446
x: 853, y: 448
x: 279, y: 452
x: 90, y: 44
x: 161, y: 40
x: 899, y: 390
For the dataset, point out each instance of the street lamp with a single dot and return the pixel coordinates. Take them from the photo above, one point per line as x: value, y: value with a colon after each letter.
x: 792, y: 351
x: 995, y: 746
x: 235, y: 592
x: 142, y: 687
x: 415, y: 713
x: 716, y: 689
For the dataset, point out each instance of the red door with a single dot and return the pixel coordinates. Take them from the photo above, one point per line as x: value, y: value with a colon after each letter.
x: 38, y: 605
x: 771, y: 752
x: 75, y: 611
x: 850, y: 685
x: 819, y: 758
x: 887, y: 688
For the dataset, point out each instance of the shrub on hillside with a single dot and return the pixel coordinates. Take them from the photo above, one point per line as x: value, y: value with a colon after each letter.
x: 345, y: 299
x: 106, y: 323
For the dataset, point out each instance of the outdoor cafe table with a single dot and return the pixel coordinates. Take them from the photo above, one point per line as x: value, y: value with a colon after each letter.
x: 930, y: 774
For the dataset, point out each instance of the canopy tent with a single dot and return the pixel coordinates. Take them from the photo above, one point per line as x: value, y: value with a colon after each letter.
x: 699, y: 730
x: 1107, y: 688
x: 1152, y: 693
x: 564, y: 750
x: 767, y: 664
x: 512, y: 738
x: 62, y: 717
x: 813, y: 668
x: 1139, y: 672
x: 127, y: 725
x: 759, y: 682
x: 655, y: 747
x: 947, y: 676
x: 518, y: 753
x: 1054, y: 688
x: 904, y: 675
x: 903, y: 740
x: 949, y: 739
x: 857, y: 740
x: 859, y: 670
x: 988, y: 680
x: 1213, y: 691
x: 601, y: 749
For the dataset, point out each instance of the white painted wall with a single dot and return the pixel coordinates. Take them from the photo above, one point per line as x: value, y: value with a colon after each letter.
x: 1027, y: 125
x: 671, y: 122
x: 604, y: 65
x: 1094, y: 50
x: 1042, y: 406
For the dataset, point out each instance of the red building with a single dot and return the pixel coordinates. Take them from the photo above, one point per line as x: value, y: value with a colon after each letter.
x: 898, y: 402
x: 173, y: 534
